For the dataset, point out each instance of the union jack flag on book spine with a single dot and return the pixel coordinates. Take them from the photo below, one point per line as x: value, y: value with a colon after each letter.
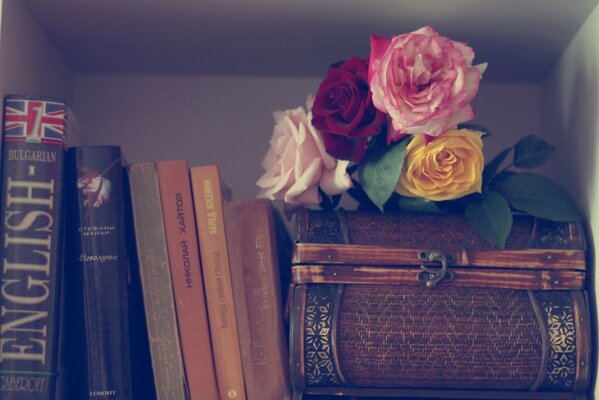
x: 34, y: 120
x: 31, y: 206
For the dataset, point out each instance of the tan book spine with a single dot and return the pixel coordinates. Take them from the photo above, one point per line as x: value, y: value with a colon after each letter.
x: 206, y: 188
x: 252, y: 246
x: 156, y: 284
x: 186, y: 274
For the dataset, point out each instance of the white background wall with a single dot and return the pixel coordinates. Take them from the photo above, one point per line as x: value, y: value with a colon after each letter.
x: 224, y: 120
x: 29, y: 63
x: 228, y: 120
x: 571, y: 120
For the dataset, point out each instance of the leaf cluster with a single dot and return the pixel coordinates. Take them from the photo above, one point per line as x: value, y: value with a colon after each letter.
x: 508, y: 187
x: 506, y: 191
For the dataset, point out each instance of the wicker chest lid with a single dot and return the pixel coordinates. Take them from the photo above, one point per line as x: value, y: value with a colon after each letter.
x: 376, y: 248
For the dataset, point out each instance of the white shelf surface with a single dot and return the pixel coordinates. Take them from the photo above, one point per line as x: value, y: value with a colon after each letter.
x: 521, y: 39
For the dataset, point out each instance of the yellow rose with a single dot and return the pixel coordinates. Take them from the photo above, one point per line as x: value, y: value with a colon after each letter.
x: 448, y: 167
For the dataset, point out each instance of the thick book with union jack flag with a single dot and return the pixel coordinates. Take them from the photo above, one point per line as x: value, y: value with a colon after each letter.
x: 31, y: 235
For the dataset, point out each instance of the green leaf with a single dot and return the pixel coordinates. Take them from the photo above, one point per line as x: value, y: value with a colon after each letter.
x: 492, y: 167
x: 380, y: 169
x: 491, y: 218
x: 540, y: 197
x: 498, y: 180
x: 531, y: 152
x: 418, y: 205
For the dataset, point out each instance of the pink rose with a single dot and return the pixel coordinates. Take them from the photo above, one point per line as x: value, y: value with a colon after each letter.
x: 423, y: 81
x: 297, y: 163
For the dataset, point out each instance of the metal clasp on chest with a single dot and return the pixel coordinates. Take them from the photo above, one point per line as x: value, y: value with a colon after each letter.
x: 430, y: 276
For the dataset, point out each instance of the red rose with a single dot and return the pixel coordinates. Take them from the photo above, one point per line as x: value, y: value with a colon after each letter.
x: 343, y: 110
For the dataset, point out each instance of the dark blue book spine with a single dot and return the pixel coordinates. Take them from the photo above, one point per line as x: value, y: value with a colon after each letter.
x: 31, y: 209
x: 97, y: 276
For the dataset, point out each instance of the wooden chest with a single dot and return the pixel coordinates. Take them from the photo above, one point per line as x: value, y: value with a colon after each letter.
x: 396, y: 305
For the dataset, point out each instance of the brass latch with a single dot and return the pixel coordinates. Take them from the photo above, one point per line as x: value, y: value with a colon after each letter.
x: 430, y: 276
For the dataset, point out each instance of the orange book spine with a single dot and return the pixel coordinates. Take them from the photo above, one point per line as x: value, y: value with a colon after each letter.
x: 208, y: 204
x: 186, y: 274
x: 252, y: 243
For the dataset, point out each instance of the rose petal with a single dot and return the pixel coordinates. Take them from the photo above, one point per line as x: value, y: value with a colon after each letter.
x: 336, y: 181
x: 307, y: 179
x: 344, y: 105
x: 449, y: 167
x: 297, y: 161
x: 426, y: 30
x: 378, y: 47
x: 482, y: 67
x: 345, y: 149
x: 423, y: 81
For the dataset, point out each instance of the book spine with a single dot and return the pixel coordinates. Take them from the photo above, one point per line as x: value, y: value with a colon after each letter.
x: 31, y: 207
x: 97, y: 273
x: 206, y: 188
x: 1, y: 149
x: 186, y: 274
x: 142, y: 375
x: 155, y: 277
x: 252, y: 246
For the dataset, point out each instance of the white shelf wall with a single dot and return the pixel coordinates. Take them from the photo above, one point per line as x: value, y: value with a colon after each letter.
x: 571, y: 122
x: 29, y: 63
x: 228, y: 119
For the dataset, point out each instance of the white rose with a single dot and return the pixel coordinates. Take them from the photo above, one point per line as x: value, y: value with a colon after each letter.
x: 297, y: 164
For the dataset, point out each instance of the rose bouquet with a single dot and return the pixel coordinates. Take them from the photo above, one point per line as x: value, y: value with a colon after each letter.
x: 392, y: 131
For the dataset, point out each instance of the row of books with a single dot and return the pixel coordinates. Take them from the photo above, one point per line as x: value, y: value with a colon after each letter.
x: 134, y: 283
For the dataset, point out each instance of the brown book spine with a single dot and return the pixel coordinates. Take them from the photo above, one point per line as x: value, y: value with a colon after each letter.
x: 186, y: 274
x: 206, y: 184
x: 252, y: 246
x: 156, y: 284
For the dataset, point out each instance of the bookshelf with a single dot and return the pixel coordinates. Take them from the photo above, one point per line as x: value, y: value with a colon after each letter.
x: 199, y: 80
